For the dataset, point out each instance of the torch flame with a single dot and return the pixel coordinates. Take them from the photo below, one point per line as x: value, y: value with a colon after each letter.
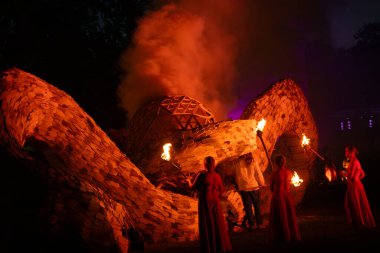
x: 296, y: 180
x: 261, y: 125
x: 328, y: 175
x: 305, y: 140
x: 166, y: 154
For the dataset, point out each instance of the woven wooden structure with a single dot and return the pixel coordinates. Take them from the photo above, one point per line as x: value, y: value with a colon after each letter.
x: 98, y: 188
x: 168, y: 119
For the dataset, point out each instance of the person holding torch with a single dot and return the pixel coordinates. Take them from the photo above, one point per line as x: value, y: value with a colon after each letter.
x: 213, y: 231
x: 283, y: 226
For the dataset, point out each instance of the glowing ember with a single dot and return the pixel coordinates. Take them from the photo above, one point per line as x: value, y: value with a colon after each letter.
x: 296, y: 180
x: 261, y: 125
x: 166, y: 154
x: 305, y: 140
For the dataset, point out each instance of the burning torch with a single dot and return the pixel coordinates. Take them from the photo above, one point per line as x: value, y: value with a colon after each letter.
x: 296, y: 180
x: 305, y: 144
x: 259, y: 132
x: 166, y: 156
x: 330, y: 173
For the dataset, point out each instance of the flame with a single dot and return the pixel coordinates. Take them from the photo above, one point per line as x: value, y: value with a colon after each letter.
x: 328, y: 174
x: 261, y: 125
x: 166, y: 154
x: 305, y: 140
x: 296, y: 180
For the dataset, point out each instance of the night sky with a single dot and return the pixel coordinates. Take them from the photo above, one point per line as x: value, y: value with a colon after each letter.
x: 113, y: 56
x: 348, y: 17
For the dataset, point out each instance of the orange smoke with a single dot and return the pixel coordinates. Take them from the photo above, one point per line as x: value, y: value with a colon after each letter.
x: 181, y: 50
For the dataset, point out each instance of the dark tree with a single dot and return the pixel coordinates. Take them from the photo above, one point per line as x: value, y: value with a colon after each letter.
x: 74, y: 45
x: 369, y: 35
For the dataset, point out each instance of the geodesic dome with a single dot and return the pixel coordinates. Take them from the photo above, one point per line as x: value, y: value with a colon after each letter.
x: 165, y: 120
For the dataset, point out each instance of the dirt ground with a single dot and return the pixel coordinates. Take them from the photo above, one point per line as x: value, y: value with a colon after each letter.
x: 322, y: 225
x: 321, y: 220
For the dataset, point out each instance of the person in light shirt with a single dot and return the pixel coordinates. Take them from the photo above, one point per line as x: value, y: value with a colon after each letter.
x: 249, y: 178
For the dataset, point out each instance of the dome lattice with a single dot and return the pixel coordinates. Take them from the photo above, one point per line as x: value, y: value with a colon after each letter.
x: 163, y: 117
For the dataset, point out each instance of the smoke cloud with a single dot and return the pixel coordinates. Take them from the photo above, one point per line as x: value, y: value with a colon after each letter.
x: 222, y: 53
x: 182, y: 49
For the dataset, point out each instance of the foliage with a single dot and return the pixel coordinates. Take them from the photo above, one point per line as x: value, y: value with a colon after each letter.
x: 368, y: 35
x: 74, y: 45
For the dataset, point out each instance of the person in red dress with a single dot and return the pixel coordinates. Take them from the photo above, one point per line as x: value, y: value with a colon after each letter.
x: 213, y: 231
x: 356, y: 204
x: 283, y: 226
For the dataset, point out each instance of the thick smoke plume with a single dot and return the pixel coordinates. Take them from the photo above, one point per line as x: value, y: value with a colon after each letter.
x: 224, y: 53
x: 182, y: 50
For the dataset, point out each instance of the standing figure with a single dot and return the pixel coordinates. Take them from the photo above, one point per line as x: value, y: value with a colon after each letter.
x: 356, y: 204
x: 249, y: 179
x: 213, y: 232
x: 283, y: 226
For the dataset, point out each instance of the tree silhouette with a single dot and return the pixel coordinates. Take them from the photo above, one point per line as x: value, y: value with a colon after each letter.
x: 74, y: 45
x: 368, y: 35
